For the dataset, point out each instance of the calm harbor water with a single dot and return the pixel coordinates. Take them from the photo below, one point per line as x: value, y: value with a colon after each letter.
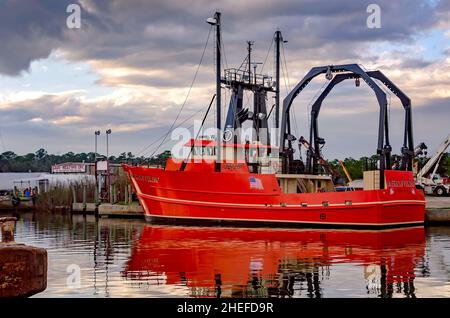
x: 129, y: 258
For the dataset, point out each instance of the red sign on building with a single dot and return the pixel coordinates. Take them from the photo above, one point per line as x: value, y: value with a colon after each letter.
x: 69, y: 168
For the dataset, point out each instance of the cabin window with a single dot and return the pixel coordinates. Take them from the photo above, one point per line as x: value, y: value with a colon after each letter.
x: 210, y: 151
x: 204, y: 151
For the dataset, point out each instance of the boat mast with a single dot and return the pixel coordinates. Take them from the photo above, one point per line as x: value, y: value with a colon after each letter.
x: 249, y: 49
x: 218, y: 92
x: 216, y: 22
x: 278, y: 40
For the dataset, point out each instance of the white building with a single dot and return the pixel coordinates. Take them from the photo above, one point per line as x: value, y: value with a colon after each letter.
x: 46, y: 180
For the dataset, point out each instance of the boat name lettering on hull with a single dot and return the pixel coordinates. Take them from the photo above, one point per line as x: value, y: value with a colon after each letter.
x: 148, y: 179
x: 233, y: 166
x: 400, y: 184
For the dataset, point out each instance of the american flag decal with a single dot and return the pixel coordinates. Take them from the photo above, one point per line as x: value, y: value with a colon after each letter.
x: 255, y: 183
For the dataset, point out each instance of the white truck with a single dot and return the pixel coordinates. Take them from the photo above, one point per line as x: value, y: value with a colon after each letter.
x: 430, y: 181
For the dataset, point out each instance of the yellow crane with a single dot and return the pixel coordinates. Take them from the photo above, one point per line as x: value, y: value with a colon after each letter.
x: 346, y: 172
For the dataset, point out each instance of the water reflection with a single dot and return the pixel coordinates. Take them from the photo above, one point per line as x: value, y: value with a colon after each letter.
x: 232, y: 262
x: 126, y: 258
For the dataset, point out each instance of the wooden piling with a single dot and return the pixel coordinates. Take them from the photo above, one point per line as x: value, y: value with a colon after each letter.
x: 114, y: 193
x: 74, y: 195
x: 130, y: 194
x: 23, y: 268
x: 84, y: 198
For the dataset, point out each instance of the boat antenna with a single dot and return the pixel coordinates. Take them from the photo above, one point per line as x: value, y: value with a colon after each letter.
x: 215, y: 21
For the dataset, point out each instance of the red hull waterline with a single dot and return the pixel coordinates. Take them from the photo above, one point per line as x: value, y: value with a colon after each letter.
x: 196, y: 195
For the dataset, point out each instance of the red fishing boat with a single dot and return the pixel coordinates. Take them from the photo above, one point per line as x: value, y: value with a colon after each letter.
x: 226, y: 179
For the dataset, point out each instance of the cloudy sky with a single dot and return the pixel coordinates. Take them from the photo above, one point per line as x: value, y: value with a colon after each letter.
x: 130, y: 65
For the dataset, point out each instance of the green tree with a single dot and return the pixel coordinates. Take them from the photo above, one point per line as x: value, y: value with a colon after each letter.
x: 41, y: 154
x: 8, y: 155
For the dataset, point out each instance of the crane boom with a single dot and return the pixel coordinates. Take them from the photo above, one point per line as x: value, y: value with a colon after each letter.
x: 346, y: 172
x: 434, y: 159
x: 320, y: 159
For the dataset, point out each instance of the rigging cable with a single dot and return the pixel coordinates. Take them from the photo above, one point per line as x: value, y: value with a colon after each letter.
x: 187, y: 95
x: 144, y: 150
x: 287, y: 85
x: 312, y: 100
x: 188, y: 128
x: 268, y: 52
x: 198, y: 133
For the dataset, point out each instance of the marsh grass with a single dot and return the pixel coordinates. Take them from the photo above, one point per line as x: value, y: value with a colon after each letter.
x: 56, y: 196
x: 63, y: 194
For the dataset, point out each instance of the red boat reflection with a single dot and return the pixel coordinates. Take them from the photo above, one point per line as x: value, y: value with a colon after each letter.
x: 241, y: 262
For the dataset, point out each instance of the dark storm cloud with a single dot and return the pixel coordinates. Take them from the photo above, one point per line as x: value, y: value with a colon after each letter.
x: 164, y: 34
x: 29, y: 30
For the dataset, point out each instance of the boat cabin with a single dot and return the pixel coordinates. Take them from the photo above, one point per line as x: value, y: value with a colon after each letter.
x: 249, y: 158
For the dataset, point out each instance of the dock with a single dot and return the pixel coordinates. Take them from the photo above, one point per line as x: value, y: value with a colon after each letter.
x: 120, y: 210
x: 437, y: 209
x: 23, y: 206
x: 105, y: 210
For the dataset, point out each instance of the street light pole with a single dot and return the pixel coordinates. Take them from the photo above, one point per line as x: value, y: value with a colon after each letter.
x: 108, y: 132
x: 97, y: 132
x: 97, y: 187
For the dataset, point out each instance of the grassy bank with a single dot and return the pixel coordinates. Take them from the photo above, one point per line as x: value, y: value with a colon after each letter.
x: 63, y: 195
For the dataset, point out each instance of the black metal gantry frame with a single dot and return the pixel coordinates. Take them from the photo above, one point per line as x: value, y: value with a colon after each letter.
x: 350, y: 71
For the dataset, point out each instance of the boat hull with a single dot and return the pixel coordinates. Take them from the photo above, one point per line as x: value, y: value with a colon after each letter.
x: 193, y: 196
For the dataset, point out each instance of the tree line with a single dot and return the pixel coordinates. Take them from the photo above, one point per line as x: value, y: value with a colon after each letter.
x: 41, y: 161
